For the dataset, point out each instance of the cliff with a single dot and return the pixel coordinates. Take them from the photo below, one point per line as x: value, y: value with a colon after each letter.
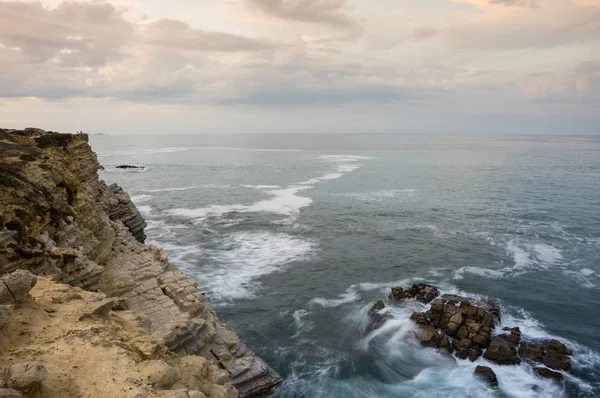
x: 59, y: 221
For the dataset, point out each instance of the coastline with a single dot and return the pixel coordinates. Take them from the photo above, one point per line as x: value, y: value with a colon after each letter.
x: 63, y: 223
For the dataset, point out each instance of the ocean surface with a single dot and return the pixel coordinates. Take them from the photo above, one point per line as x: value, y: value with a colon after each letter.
x: 294, y: 237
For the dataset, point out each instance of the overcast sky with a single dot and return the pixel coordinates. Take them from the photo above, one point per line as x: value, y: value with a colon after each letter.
x: 207, y: 66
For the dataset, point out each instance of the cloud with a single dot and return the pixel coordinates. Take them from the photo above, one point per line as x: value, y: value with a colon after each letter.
x: 72, y: 34
x: 519, y: 3
x: 172, y: 34
x: 328, y: 13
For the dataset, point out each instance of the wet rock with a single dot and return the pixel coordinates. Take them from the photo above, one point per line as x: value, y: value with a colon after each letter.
x: 428, y: 336
x: 130, y: 166
x: 158, y: 373
x: 513, y: 337
x: 558, y: 347
x: 554, y: 360
x: 502, y: 352
x: 419, y: 291
x: 375, y: 317
x: 26, y: 377
x: 487, y: 375
x: 548, y: 373
x: 531, y: 352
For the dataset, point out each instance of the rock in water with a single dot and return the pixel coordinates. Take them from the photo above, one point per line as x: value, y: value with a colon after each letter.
x: 130, y: 166
x: 419, y: 291
x: 502, y: 352
x: 531, y: 352
x: 487, y: 375
x: 375, y: 318
x: 548, y: 373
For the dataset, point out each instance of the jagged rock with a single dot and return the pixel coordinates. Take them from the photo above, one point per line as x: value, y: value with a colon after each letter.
x: 419, y: 291
x: 26, y: 377
x: 548, y: 373
x: 217, y: 375
x: 119, y: 207
x: 502, y: 352
x: 487, y: 375
x: 158, y: 373
x: 430, y: 337
x: 514, y: 337
x: 5, y: 311
x: 554, y: 360
x: 64, y: 222
x: 98, y: 308
x: 531, y: 352
x: 9, y: 393
x: 15, y: 286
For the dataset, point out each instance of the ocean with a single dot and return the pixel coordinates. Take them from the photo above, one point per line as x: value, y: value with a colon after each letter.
x: 295, y: 237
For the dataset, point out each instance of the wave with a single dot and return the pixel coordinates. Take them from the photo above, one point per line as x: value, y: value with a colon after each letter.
x: 283, y: 201
x: 137, y: 199
x: 407, y: 369
x: 176, y: 189
x: 243, y: 257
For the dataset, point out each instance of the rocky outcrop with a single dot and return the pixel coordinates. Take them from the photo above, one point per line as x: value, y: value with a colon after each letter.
x: 14, y: 288
x: 463, y: 326
x: 119, y: 207
x: 61, y: 220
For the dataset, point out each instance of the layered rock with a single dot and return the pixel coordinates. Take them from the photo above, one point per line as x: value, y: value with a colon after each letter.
x: 60, y: 220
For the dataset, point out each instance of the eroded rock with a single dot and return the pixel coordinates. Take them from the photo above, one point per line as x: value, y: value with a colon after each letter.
x: 26, y: 377
x: 158, y: 373
x: 15, y: 287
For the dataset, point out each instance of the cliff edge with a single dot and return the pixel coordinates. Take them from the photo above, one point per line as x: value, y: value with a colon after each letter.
x: 84, y: 242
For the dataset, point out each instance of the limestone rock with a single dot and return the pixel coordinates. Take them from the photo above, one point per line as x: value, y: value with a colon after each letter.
x: 98, y: 308
x: 181, y: 393
x: 9, y: 393
x: 5, y: 311
x: 158, y: 373
x: 26, y: 377
x: 487, y: 375
x: 15, y: 286
x: 119, y: 207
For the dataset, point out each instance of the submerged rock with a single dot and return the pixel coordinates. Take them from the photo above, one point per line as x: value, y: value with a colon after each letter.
x: 375, y: 318
x: 129, y: 166
x: 487, y: 375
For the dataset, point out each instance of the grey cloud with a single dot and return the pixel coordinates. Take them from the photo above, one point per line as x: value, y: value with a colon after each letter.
x: 174, y: 34
x: 75, y: 34
x: 519, y: 3
x: 324, y: 12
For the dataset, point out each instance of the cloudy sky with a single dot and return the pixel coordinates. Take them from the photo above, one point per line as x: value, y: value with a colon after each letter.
x: 208, y: 66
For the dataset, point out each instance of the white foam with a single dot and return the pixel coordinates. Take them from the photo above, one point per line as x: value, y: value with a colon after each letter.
x: 141, y: 198
x: 484, y: 272
x: 586, y: 272
x: 245, y: 257
x: 144, y: 210
x: 546, y: 253
x: 301, y: 324
x: 283, y: 201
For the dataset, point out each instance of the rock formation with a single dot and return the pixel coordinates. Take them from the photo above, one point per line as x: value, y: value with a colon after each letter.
x: 464, y: 326
x: 60, y: 220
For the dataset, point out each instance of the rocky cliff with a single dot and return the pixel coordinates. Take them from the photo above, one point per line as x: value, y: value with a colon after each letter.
x: 59, y: 221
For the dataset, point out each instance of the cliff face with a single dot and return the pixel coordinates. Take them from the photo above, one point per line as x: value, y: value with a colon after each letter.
x: 59, y: 220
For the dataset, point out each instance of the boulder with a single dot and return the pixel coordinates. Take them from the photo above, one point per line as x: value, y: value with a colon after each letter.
x: 487, y: 375
x: 428, y: 336
x: 556, y: 361
x: 513, y: 336
x: 15, y: 287
x: 97, y: 308
x: 531, y: 352
x: 558, y: 347
x: 502, y: 352
x: 419, y: 291
x: 26, y: 377
x: 158, y: 373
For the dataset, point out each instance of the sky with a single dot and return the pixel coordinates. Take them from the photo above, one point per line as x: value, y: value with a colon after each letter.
x: 293, y: 66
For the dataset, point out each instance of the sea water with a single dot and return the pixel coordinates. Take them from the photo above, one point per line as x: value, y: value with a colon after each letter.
x: 294, y: 237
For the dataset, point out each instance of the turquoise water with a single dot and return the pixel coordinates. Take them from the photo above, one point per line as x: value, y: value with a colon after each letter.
x: 294, y: 237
